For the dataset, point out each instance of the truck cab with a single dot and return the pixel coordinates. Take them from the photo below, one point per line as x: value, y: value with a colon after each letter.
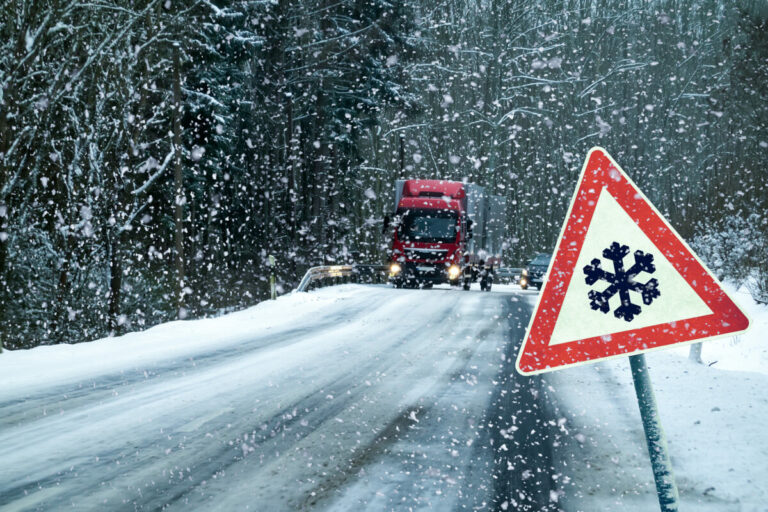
x: 435, y: 224
x: 430, y: 233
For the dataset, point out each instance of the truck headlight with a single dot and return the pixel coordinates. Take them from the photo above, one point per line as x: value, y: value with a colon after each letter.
x: 525, y: 271
x: 395, y: 269
x: 453, y: 272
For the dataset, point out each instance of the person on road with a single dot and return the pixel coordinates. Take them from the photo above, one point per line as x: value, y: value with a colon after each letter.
x: 468, y: 273
x: 485, y: 273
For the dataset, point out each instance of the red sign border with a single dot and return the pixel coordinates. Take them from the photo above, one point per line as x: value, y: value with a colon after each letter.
x: 601, y: 171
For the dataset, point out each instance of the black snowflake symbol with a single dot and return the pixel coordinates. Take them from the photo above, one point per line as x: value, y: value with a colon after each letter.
x: 621, y: 281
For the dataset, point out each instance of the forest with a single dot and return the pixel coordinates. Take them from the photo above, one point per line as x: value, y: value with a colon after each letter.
x: 154, y: 153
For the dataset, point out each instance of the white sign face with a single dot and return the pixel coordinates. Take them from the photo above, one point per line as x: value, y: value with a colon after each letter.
x: 676, y: 301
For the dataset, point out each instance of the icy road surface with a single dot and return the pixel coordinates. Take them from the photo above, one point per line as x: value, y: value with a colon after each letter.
x: 347, y: 398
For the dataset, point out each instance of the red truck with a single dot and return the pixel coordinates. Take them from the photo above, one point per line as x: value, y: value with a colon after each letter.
x: 435, y: 224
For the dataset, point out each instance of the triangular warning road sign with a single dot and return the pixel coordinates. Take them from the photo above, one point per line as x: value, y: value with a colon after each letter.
x: 621, y: 281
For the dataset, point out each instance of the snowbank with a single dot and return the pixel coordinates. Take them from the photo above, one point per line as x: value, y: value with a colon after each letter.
x: 139, y: 351
x: 747, y: 352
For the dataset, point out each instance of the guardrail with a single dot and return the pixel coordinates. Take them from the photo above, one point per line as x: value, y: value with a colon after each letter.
x: 339, y: 272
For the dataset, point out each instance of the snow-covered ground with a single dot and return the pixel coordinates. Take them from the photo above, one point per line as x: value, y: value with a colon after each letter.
x: 714, y: 416
x: 369, y: 398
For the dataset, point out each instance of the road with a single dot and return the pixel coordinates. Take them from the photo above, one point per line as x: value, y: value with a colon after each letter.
x: 381, y: 399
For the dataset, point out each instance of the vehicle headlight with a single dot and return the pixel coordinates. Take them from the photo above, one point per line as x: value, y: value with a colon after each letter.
x: 525, y: 271
x: 395, y: 268
x: 454, y: 271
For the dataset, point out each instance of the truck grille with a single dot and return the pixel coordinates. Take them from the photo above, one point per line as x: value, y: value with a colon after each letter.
x: 425, y: 254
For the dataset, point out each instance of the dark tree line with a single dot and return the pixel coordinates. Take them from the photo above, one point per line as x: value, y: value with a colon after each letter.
x: 153, y: 153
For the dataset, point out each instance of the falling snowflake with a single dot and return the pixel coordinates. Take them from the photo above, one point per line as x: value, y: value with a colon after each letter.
x: 621, y: 281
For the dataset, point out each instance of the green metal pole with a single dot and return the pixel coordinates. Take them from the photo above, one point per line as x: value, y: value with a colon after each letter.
x: 272, y: 288
x: 666, y: 488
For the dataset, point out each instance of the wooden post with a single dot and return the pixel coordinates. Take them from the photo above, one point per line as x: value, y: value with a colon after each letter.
x: 272, y: 287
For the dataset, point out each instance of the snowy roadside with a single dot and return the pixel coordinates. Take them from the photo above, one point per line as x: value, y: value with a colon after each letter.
x: 714, y: 418
x: 58, y: 364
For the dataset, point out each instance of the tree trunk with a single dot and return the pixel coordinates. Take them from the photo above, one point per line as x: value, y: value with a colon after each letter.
x: 63, y: 291
x: 318, y: 201
x: 115, y: 285
x: 178, y: 211
x: 3, y: 269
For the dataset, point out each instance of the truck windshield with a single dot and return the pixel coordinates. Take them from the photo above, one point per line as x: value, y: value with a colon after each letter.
x: 422, y: 225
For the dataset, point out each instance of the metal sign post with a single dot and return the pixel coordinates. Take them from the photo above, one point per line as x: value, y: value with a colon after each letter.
x: 666, y: 488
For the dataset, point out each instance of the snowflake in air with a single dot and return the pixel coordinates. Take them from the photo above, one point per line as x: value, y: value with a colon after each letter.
x: 621, y: 281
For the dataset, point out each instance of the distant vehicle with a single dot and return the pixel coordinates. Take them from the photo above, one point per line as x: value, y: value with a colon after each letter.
x: 534, y: 272
x: 508, y: 275
x: 437, y: 223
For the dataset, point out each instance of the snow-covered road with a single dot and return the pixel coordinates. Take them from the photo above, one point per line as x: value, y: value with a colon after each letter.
x: 348, y: 398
